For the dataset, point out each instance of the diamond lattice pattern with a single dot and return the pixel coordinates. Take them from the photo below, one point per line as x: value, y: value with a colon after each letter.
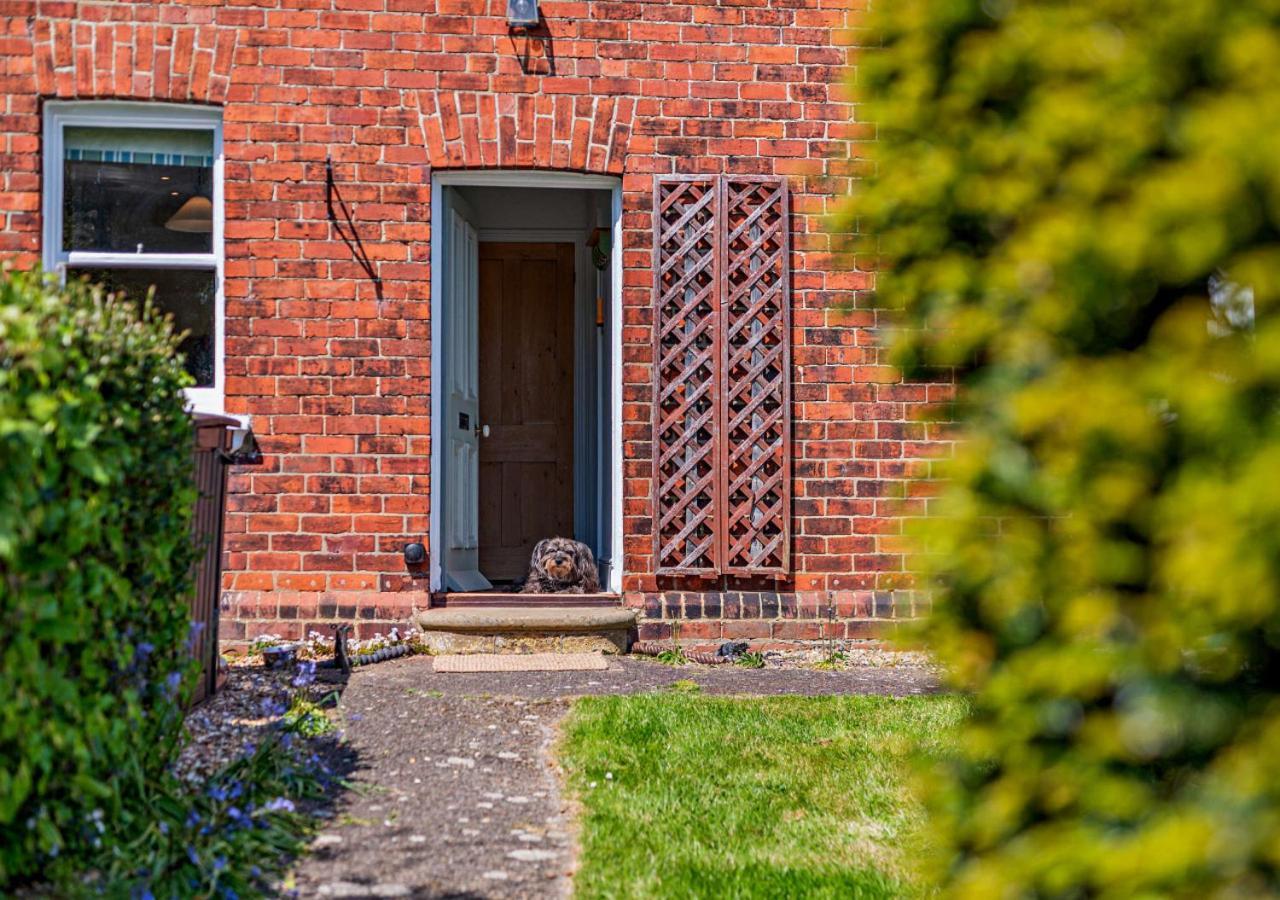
x: 755, y: 367
x: 687, y: 383
x: 722, y: 417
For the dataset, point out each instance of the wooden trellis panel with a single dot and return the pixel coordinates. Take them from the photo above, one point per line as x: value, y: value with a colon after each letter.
x: 686, y: 358
x: 722, y: 362
x: 756, y: 365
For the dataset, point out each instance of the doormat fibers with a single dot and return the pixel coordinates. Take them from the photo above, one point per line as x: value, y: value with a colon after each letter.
x: 520, y: 662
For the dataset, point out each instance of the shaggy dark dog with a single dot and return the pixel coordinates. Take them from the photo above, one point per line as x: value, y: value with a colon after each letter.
x: 562, y: 566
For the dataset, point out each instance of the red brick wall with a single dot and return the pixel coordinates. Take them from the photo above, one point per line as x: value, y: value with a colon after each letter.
x: 337, y: 379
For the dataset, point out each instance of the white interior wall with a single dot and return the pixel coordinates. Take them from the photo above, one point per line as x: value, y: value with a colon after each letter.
x: 549, y: 208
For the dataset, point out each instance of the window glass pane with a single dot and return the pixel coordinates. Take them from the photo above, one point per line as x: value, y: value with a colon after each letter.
x: 186, y: 294
x: 130, y: 190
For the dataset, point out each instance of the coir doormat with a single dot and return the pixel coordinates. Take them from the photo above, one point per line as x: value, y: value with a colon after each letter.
x: 520, y: 662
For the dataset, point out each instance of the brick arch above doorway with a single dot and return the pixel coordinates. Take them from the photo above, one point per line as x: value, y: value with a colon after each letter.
x: 466, y: 129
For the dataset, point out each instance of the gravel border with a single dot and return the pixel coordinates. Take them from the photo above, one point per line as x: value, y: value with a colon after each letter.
x: 223, y: 727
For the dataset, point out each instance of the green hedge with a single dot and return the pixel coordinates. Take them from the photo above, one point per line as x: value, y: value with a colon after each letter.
x: 96, y: 498
x: 1078, y: 210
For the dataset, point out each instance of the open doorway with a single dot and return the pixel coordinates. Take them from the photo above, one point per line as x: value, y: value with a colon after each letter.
x: 530, y: 420
x: 526, y: 434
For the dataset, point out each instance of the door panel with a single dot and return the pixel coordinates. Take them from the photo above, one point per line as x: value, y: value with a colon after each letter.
x: 462, y: 401
x: 526, y: 398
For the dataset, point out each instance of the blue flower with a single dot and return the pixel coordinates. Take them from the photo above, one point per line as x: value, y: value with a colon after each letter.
x: 217, y: 792
x: 143, y: 650
x: 219, y: 863
x: 306, y: 673
x: 193, y: 819
x: 280, y: 804
x: 171, y: 683
x: 164, y: 827
x: 141, y: 892
x: 233, y: 813
x: 192, y: 855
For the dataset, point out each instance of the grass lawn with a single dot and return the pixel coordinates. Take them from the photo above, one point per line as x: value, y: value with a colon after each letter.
x: 691, y: 796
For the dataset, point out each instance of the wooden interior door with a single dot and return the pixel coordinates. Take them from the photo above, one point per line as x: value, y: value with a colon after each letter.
x: 526, y: 400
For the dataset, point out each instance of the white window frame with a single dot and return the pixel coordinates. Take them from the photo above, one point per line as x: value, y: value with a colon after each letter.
x: 124, y: 114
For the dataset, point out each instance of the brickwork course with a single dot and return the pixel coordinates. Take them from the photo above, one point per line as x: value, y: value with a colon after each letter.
x: 337, y: 381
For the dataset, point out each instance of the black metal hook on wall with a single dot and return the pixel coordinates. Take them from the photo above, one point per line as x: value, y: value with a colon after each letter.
x: 353, y: 242
x: 537, y: 55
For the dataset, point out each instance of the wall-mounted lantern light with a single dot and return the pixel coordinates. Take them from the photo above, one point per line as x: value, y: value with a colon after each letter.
x: 522, y: 13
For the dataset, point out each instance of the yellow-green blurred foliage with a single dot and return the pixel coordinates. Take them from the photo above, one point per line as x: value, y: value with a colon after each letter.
x: 1078, y: 212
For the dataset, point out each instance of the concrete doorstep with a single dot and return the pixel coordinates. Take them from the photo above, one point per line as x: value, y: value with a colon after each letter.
x: 515, y: 629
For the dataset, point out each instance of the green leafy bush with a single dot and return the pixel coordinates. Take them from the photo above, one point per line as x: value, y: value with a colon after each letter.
x: 307, y: 718
x: 833, y: 661
x: 673, y: 657
x: 1078, y: 210
x: 95, y: 554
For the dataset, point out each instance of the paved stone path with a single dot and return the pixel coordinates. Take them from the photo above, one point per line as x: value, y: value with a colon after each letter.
x: 454, y: 794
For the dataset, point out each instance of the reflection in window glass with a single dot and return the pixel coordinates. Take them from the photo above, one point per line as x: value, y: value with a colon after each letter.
x: 137, y: 190
x: 186, y: 294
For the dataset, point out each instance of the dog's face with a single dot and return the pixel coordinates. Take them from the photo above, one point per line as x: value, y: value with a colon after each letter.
x: 561, y: 565
x: 556, y: 557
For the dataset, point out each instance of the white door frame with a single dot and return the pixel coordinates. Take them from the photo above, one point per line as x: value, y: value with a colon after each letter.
x: 527, y: 179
